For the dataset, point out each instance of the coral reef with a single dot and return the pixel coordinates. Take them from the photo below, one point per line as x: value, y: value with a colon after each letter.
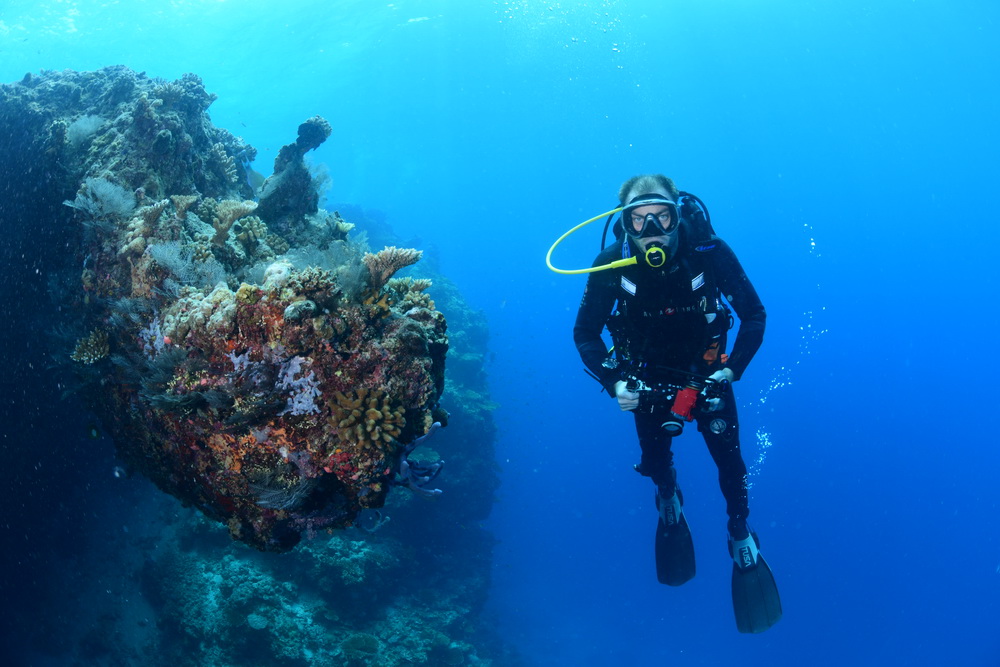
x: 310, y: 608
x: 252, y: 365
x: 225, y: 391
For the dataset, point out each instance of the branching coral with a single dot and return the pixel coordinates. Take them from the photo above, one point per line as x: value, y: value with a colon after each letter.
x: 410, y: 293
x: 227, y: 212
x: 91, y: 349
x: 368, y: 418
x: 151, y: 214
x: 182, y: 203
x: 141, y: 227
x: 170, y: 93
x: 226, y: 162
x: 386, y: 262
x: 250, y: 231
x: 201, y: 253
x: 316, y: 284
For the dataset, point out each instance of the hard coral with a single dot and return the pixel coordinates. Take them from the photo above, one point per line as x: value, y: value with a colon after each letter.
x: 225, y: 161
x: 386, y: 262
x: 410, y: 293
x: 142, y: 227
x: 368, y: 419
x: 182, y: 203
x: 227, y: 212
x: 91, y: 349
x: 249, y: 231
x: 316, y: 284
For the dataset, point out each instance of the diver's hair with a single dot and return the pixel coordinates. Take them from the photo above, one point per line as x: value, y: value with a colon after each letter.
x: 647, y: 184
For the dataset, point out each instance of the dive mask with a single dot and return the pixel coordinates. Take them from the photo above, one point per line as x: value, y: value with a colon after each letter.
x: 662, y: 223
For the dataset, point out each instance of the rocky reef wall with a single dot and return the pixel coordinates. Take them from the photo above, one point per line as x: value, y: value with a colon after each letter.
x: 256, y: 362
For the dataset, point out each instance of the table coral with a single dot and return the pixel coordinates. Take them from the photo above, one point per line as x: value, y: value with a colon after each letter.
x: 386, y: 262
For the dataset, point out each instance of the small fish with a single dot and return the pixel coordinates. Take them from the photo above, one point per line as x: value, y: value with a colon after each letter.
x: 255, y: 179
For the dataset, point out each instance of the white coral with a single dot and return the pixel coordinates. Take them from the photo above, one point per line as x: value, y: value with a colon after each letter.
x: 277, y: 274
x: 214, y: 313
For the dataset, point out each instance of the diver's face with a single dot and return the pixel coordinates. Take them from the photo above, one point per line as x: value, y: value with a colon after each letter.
x: 663, y: 216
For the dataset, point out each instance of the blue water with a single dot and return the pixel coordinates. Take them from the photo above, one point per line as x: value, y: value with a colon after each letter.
x: 848, y: 153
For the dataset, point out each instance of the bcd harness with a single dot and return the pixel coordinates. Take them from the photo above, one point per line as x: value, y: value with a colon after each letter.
x: 674, y: 315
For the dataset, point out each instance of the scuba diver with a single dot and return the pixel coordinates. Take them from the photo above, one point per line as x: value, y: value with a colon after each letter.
x: 661, y: 289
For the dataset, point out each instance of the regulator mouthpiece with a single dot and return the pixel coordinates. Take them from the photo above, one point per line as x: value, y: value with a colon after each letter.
x: 656, y: 255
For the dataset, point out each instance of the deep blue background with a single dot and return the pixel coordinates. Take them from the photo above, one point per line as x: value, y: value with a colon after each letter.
x: 848, y: 152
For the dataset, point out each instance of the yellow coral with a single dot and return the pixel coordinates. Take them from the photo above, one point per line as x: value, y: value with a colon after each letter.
x: 387, y: 261
x: 250, y: 231
x: 201, y: 252
x: 340, y: 226
x: 368, y: 418
x: 379, y: 305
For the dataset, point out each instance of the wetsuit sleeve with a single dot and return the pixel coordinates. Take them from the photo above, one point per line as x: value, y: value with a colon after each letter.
x: 598, y: 300
x: 740, y: 293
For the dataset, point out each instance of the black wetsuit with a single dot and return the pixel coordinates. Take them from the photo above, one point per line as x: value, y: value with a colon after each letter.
x: 675, y: 318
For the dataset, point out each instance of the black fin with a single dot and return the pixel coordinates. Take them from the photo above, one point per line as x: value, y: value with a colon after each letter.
x: 755, y: 597
x: 674, y: 553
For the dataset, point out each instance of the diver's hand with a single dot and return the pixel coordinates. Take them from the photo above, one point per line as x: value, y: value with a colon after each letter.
x: 725, y: 375
x: 713, y: 404
x: 627, y: 400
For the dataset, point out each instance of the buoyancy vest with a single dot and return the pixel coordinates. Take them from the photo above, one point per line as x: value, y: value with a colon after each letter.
x: 672, y: 317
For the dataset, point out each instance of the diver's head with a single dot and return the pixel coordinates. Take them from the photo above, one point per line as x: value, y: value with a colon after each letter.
x: 650, y: 216
x: 647, y: 183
